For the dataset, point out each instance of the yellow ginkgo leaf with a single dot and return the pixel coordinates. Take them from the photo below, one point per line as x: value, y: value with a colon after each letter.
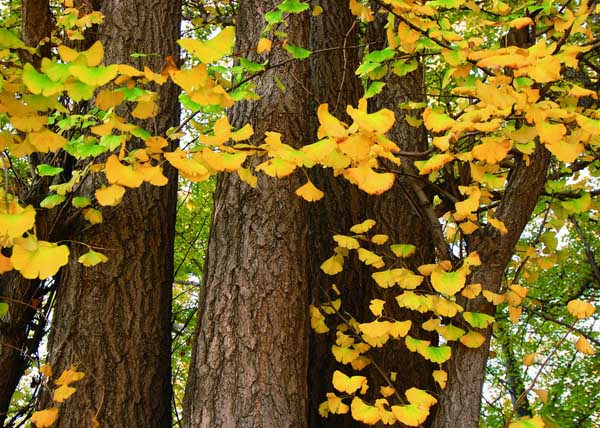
x: 309, y: 192
x: 123, y: 175
x: 433, y: 163
x: 344, y: 354
x: 399, y: 329
x: 363, y: 227
x: 46, y: 370
x: 472, y: 339
x: 62, y: 393
x: 387, y: 391
x: 437, y: 121
x: 581, y: 309
x: 376, y: 307
x: 529, y: 359
x: 410, y: 414
x: 190, y: 168
x: 145, y: 110
x: 317, y: 320
x: 441, y: 377
x: 110, y: 196
x: 369, y: 258
x: 448, y: 283
x: 542, y: 394
x: 336, y: 405
x: 264, y: 45
x: 471, y: 291
x: 366, y: 179
x: 346, y: 242
x: 68, y: 376
x: 333, y: 265
x: 212, y: 50
x: 375, y: 329
x: 379, y: 239
x: 419, y: 397
x: 277, y: 167
x: 38, y: 259
x: 15, y: 220
x: 45, y: 418
x: 583, y: 346
x: 92, y: 258
x: 348, y: 384
x: 492, y: 149
x: 364, y: 413
x: 221, y: 161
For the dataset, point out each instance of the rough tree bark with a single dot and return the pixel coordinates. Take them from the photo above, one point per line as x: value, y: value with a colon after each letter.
x: 250, y: 353
x: 334, y: 82
x: 460, y: 404
x: 113, y: 321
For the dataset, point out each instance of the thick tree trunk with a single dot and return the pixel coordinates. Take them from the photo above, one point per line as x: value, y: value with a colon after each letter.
x: 250, y: 353
x: 334, y: 82
x: 460, y: 404
x: 113, y: 320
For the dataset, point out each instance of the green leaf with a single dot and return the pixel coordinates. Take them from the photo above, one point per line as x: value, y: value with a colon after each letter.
x: 374, y: 89
x: 48, y: 170
x: 3, y: 309
x: 380, y: 56
x: 251, y: 67
x: 51, y: 201
x: 39, y: 83
x: 293, y: 6
x: 477, y: 319
x: 9, y: 41
x: 80, y: 202
x: 274, y: 17
x: 402, y: 68
x: 366, y: 68
x: 297, y: 52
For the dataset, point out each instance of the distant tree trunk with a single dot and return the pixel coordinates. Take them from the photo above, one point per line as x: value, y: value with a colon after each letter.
x: 113, y: 320
x: 250, y: 354
x: 15, y: 290
x: 334, y: 82
x: 460, y: 404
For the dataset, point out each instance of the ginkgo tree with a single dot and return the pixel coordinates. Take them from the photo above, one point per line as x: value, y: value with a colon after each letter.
x: 513, y: 116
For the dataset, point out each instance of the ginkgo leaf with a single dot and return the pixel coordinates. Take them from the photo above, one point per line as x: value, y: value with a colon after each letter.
x: 211, y: 50
x: 15, y: 220
x: 433, y: 163
x: 448, y: 283
x: 387, y: 391
x: 450, y: 332
x: 278, y: 168
x: 94, y: 76
x: 110, y: 196
x: 366, y: 179
x: 264, y: 45
x: 403, y: 250
x: 348, y: 384
x: 46, y: 370
x: 39, y: 83
x: 436, y: 354
x: 344, y: 354
x: 69, y: 376
x: 581, y: 309
x: 583, y: 346
x: 419, y: 397
x: 410, y: 414
x: 346, y: 242
x: 472, y: 339
x: 477, y: 319
x: 542, y: 394
x: 363, y: 412
x: 411, y: 300
x: 45, y: 418
x: 309, y: 192
x: 380, y: 121
x: 38, y: 259
x: 336, y: 405
x: 376, y: 307
x: 333, y: 265
x: 317, y: 320
x: 62, y: 393
x: 441, y: 377
x: 471, y: 291
x: 369, y: 258
x: 445, y: 307
x: 529, y: 359
x: 92, y: 258
x: 437, y: 121
x: 123, y: 175
x: 379, y: 239
x: 494, y: 298
x: 528, y: 422
x: 363, y: 227
x: 375, y: 329
x: 190, y: 168
x: 92, y: 215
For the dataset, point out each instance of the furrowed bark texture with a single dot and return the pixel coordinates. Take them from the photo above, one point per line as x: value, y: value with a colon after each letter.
x: 250, y: 353
x: 113, y: 320
x: 461, y: 402
x: 334, y: 82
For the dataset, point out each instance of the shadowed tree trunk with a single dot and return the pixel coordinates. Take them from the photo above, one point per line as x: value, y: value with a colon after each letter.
x: 334, y: 82
x: 250, y: 353
x: 113, y: 321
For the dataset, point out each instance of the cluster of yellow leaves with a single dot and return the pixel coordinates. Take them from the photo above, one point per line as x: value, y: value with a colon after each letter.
x: 47, y: 417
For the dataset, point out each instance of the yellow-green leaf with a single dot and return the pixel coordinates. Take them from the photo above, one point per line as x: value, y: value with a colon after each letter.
x: 38, y: 259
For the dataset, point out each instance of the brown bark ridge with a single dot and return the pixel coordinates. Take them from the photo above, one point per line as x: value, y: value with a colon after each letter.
x: 460, y: 404
x: 250, y: 352
x: 334, y: 81
x: 37, y: 24
x: 113, y: 321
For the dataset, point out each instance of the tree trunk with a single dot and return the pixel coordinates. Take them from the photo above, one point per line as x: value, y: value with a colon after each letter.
x: 460, y: 404
x: 250, y: 352
x: 113, y: 320
x: 334, y: 82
